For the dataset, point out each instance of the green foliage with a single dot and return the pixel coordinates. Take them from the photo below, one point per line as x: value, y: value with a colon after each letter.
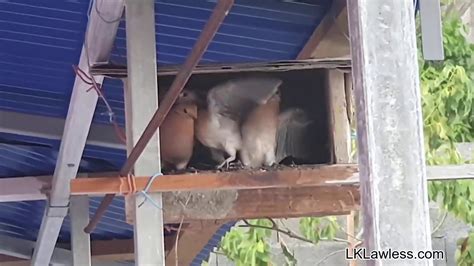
x: 317, y: 228
x: 465, y: 252
x: 248, y: 247
x: 447, y: 101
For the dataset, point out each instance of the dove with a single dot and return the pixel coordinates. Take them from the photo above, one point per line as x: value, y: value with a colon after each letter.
x: 219, y: 120
x: 259, y: 132
x: 269, y: 136
x: 177, y: 133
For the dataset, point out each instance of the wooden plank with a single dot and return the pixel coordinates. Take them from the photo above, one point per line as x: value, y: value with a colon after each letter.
x: 102, y: 250
x: 27, y: 188
x: 350, y: 230
x: 431, y: 30
x: 244, y: 179
x: 450, y: 172
x: 80, y: 240
x: 295, y: 202
x: 340, y: 130
x: 141, y: 101
x: 130, y: 142
x: 24, y: 188
x: 335, y: 44
x: 322, y: 29
x: 120, y: 71
x: 390, y: 127
x: 39, y: 126
x: 192, y: 241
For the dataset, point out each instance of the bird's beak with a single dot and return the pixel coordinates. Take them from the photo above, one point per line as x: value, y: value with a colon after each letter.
x: 191, y: 110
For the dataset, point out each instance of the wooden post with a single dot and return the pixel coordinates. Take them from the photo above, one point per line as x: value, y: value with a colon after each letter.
x: 390, y: 126
x: 141, y: 99
x: 350, y: 229
x: 340, y: 132
x: 80, y: 240
x: 340, y: 126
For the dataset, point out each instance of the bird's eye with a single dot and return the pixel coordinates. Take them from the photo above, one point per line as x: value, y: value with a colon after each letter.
x: 185, y: 94
x: 185, y: 111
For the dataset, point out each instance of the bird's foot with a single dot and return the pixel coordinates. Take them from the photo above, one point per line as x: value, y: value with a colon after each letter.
x: 236, y: 165
x: 192, y: 170
x: 221, y: 166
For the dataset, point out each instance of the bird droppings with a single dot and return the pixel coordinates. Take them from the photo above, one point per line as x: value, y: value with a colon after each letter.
x: 205, y: 205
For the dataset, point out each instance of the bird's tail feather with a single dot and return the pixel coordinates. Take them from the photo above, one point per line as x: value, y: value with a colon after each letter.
x: 293, y: 127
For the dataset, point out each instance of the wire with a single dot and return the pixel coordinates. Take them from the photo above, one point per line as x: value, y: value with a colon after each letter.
x: 90, y: 80
x: 145, y: 192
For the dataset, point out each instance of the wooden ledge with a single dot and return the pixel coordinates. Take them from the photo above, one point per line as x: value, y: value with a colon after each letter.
x: 243, y: 194
x: 283, y: 177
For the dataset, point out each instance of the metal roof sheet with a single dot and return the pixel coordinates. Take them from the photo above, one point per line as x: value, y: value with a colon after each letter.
x: 40, y: 40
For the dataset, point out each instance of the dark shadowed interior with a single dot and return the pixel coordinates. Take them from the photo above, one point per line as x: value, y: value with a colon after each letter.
x: 301, y: 88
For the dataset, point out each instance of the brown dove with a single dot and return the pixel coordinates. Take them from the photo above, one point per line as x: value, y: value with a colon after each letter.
x: 177, y: 133
x: 269, y: 136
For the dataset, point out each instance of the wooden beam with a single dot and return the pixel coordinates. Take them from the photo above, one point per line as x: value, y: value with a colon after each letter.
x: 141, y: 101
x: 335, y: 44
x: 192, y: 241
x: 80, y: 240
x: 100, y: 36
x: 20, y: 248
x: 101, y: 250
x: 389, y: 126
x: 39, y: 126
x: 237, y: 195
x: 431, y: 30
x: 340, y: 129
x: 24, y: 188
x: 322, y: 29
x: 244, y: 179
x: 30, y: 188
x: 120, y: 71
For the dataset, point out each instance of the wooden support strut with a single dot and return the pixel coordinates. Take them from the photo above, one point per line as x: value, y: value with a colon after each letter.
x: 217, y: 17
x: 321, y: 30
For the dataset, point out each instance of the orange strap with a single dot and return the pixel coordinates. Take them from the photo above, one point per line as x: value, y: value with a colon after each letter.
x: 131, y: 185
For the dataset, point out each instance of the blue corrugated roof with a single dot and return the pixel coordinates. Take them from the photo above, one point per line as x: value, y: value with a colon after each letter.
x: 41, y: 39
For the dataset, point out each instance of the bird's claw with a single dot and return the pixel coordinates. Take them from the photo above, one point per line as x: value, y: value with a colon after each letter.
x: 225, y: 163
x: 192, y: 170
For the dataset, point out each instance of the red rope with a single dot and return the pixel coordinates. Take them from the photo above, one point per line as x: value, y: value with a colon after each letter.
x: 90, y: 80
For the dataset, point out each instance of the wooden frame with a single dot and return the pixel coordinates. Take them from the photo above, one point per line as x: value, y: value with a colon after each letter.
x: 76, y: 129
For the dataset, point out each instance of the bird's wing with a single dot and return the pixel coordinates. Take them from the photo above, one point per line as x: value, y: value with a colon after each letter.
x: 291, y: 135
x: 236, y: 98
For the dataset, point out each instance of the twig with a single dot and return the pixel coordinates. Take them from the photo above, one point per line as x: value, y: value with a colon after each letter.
x: 176, y: 241
x: 336, y: 252
x: 441, y: 222
x: 179, y: 229
x: 330, y: 255
x: 350, y: 235
x: 286, y: 232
